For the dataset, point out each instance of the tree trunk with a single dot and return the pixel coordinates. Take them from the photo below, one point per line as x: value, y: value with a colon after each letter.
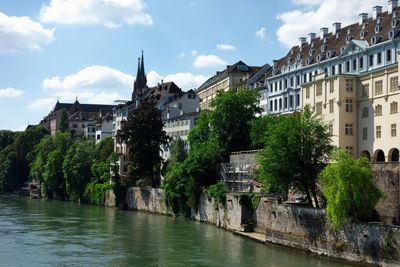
x: 315, y: 197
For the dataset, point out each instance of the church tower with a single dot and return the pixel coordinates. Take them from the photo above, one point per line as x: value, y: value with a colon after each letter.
x: 140, y: 84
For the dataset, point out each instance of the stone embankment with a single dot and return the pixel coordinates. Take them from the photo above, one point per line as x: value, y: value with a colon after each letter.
x: 288, y: 225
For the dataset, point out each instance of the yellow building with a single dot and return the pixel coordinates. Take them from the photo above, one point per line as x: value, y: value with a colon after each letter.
x: 361, y: 111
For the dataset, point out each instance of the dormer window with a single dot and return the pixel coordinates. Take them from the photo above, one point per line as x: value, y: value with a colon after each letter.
x: 309, y: 61
x: 310, y: 52
x: 330, y: 54
x: 323, y: 47
x: 364, y: 25
x: 342, y: 49
x: 393, y: 33
x: 348, y: 39
x: 378, y: 28
x: 379, y: 20
x: 298, y: 57
x: 375, y: 39
x: 292, y: 51
x: 349, y: 31
x: 394, y: 22
x: 363, y: 34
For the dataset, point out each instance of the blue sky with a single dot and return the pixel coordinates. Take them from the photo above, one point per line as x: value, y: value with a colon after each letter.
x: 89, y: 48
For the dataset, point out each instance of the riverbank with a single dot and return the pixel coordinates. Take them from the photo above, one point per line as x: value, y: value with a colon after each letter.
x: 288, y: 225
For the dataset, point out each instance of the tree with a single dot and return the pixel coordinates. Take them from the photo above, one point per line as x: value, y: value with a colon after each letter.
x: 9, y: 172
x: 297, y: 150
x: 178, y: 151
x: 259, y: 130
x: 348, y: 186
x: 231, y: 119
x: 6, y: 138
x: 143, y: 135
x: 64, y: 123
x: 77, y: 168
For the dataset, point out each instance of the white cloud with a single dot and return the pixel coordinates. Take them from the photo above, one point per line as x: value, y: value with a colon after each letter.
x: 43, y: 103
x: 10, y: 92
x: 208, y: 61
x: 109, y: 13
x: 261, y: 33
x: 225, y: 47
x: 19, y: 33
x: 194, y: 53
x: 181, y: 55
x: 184, y: 80
x: 311, y: 15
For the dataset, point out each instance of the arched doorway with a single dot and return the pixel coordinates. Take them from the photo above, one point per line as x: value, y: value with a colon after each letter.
x: 379, y: 156
x: 366, y: 154
x: 394, y: 155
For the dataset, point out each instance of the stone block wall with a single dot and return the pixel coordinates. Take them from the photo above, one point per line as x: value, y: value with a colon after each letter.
x: 387, y: 178
x: 307, y: 229
x: 146, y: 199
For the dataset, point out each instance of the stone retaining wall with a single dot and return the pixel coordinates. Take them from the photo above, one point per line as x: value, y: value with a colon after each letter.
x: 289, y: 225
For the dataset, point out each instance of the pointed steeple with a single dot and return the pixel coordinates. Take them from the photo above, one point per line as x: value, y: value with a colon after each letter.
x: 140, y: 83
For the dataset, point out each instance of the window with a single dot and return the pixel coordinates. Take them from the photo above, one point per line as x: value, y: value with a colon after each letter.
x: 280, y: 103
x: 331, y: 87
x: 349, y: 85
x: 319, y: 89
x: 285, y: 102
x: 354, y: 64
x: 371, y: 60
x: 331, y: 106
x: 378, y: 110
x: 290, y: 101
x: 276, y: 105
x: 270, y: 105
x: 393, y: 107
x: 393, y: 130
x: 365, y: 112
x: 361, y: 62
x: 379, y: 58
x: 330, y: 129
x: 340, y: 68
x: 365, y: 90
x: 348, y: 66
x: 307, y: 92
x: 349, y: 149
x: 378, y: 132
x: 348, y: 129
x: 388, y: 55
x: 333, y: 70
x: 394, y: 83
x: 349, y: 105
x: 378, y: 87
x: 365, y: 133
x: 318, y: 108
x: 297, y: 99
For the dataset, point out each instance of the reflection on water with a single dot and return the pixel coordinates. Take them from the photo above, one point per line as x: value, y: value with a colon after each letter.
x: 54, y: 233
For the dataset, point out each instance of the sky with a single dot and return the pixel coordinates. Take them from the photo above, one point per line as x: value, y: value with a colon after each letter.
x: 63, y: 49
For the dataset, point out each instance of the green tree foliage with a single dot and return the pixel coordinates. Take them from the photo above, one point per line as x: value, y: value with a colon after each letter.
x: 46, y: 161
x: 259, y: 130
x: 297, y: 149
x: 104, y: 149
x: 6, y: 138
x: 64, y: 123
x: 175, y: 188
x: 218, y: 192
x: 9, y: 171
x: 201, y: 133
x: 143, y: 134
x: 77, y: 168
x: 231, y: 119
x: 348, y: 186
x: 178, y: 151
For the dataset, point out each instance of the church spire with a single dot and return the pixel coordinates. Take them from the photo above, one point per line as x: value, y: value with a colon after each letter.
x: 140, y: 83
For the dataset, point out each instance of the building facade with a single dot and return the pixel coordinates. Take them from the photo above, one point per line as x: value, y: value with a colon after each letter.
x: 349, y: 76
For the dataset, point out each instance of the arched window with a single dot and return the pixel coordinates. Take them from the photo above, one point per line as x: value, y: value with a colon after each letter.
x: 379, y: 156
x: 394, y: 155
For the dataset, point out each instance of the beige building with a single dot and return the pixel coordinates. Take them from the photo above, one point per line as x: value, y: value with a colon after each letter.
x: 232, y: 77
x: 361, y: 110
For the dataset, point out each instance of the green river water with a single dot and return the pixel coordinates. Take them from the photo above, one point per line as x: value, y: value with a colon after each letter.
x: 55, y: 233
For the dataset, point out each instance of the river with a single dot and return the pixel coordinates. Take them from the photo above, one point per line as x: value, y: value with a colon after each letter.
x: 54, y: 233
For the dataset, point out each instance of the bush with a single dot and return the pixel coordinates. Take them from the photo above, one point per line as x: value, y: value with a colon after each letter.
x: 218, y: 193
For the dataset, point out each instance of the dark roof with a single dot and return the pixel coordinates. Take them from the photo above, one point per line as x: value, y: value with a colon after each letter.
x: 332, y: 45
x: 238, y: 67
x: 260, y: 75
x: 92, y: 108
x: 158, y: 92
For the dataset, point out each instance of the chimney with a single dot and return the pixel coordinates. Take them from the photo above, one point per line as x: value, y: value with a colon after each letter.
x: 376, y: 10
x: 362, y: 18
x: 311, y: 36
x: 392, y: 4
x: 162, y: 81
x: 336, y: 27
x: 302, y: 40
x: 324, y: 32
